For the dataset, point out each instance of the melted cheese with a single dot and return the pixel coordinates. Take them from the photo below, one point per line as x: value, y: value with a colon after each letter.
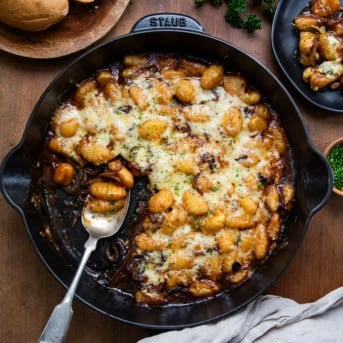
x: 218, y: 156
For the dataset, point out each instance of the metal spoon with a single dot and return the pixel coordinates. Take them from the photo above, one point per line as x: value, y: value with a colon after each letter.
x: 98, y: 226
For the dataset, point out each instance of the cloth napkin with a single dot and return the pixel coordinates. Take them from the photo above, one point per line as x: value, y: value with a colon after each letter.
x: 270, y: 319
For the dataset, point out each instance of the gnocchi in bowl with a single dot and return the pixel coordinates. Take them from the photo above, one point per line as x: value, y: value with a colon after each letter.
x: 218, y: 164
x: 320, y: 27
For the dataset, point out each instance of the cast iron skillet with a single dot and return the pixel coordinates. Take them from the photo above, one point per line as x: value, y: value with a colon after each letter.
x: 285, y: 47
x: 166, y: 33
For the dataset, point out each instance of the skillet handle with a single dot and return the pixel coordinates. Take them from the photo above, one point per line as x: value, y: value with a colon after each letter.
x: 316, y: 181
x: 15, y: 178
x: 167, y: 21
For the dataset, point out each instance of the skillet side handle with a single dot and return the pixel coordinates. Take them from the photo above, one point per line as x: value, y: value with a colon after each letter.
x: 15, y: 178
x: 317, y: 181
x: 167, y: 21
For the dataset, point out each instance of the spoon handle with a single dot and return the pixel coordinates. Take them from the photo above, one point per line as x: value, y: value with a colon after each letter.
x: 57, y: 327
x: 58, y: 324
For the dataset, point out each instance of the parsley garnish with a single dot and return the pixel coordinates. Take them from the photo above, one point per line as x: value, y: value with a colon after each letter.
x: 216, y: 187
x: 238, y: 240
x: 177, y: 188
x: 236, y: 13
x: 335, y: 159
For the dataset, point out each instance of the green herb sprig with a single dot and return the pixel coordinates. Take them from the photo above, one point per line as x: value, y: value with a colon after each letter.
x: 335, y: 159
x: 236, y: 13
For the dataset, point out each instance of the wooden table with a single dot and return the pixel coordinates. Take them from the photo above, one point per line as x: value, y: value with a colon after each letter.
x: 28, y: 292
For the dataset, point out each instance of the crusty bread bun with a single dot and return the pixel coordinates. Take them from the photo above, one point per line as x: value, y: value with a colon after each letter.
x: 33, y: 15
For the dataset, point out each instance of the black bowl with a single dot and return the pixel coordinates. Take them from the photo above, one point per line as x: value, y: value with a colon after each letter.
x: 156, y: 33
x: 285, y: 41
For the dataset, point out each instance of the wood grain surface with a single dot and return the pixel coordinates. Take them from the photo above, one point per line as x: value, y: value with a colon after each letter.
x: 28, y: 292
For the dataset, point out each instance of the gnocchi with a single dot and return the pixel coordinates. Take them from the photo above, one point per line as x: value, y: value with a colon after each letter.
x: 194, y: 204
x: 187, y: 166
x: 212, y: 76
x: 105, y: 206
x: 235, y: 84
x: 69, y: 127
x: 214, y: 222
x: 172, y: 220
x: 203, y: 288
x: 257, y: 123
x: 226, y: 240
x: 152, y: 129
x: 95, y: 153
x: 124, y: 175
x: 137, y: 95
x: 107, y: 191
x: 184, y: 90
x: 232, y: 121
x: 215, y: 159
x: 272, y: 198
x: 171, y: 74
x: 249, y: 205
x: 212, y: 267
x: 161, y: 201
x: 104, y: 77
x: 177, y: 278
x: 83, y: 91
x: 135, y: 60
x: 193, y: 68
x: 165, y: 95
x: 320, y: 44
x: 181, y: 260
x: 148, y: 243
x: 111, y: 91
x: 64, y: 174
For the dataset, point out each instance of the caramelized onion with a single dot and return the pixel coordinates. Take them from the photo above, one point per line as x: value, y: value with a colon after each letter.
x: 115, y: 251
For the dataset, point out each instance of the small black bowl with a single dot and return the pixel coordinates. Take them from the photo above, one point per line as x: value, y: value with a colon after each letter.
x: 285, y: 47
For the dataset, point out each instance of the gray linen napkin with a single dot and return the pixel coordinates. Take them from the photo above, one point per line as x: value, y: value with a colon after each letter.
x: 270, y: 319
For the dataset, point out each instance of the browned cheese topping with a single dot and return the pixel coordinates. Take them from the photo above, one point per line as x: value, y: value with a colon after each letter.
x: 216, y: 156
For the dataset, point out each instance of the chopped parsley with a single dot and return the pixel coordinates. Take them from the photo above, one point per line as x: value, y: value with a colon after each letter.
x: 238, y: 239
x: 216, y: 187
x: 177, y: 188
x: 335, y: 159
x: 196, y: 222
x: 329, y: 71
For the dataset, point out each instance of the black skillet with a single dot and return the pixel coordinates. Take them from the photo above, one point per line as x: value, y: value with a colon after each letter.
x: 285, y: 41
x: 163, y: 33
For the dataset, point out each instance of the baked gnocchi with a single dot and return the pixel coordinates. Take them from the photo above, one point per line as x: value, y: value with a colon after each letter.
x: 320, y: 30
x: 218, y: 167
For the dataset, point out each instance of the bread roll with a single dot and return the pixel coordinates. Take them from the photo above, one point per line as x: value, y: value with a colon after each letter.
x: 33, y: 15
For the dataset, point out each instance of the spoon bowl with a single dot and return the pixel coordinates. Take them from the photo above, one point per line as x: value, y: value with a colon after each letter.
x: 104, y: 225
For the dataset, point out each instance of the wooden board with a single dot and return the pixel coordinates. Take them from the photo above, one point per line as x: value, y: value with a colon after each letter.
x: 84, y: 25
x: 28, y: 292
